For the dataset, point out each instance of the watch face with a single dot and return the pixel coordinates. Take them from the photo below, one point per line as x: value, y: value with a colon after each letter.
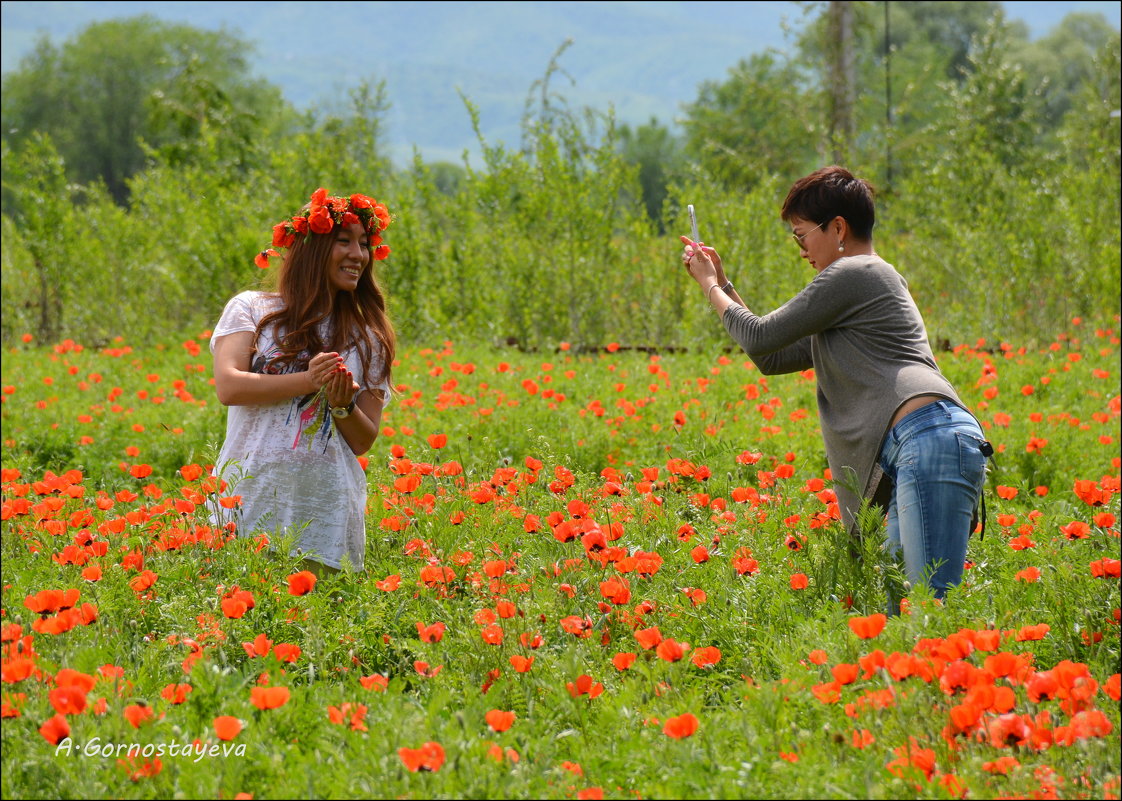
x: 340, y: 411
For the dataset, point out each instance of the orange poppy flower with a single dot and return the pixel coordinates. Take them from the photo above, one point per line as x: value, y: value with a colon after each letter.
x: 624, y: 660
x: 68, y: 700
x: 433, y: 633
x: 376, y: 682
x: 389, y: 583
x: 827, y: 693
x: 269, y: 697
x: 868, y: 627
x: 137, y: 714
x: 227, y: 727
x: 862, y: 738
x: 234, y: 608
x: 799, y: 581
x: 704, y: 657
x: 301, y: 583
x: 671, y: 650
x: 55, y: 729
x: 648, y: 638
x: 499, y: 720
x: 287, y: 652
x: 680, y: 727
x: 260, y: 646
x: 584, y: 685
x: 176, y: 693
x: 521, y: 664
x: 429, y: 757
x: 1030, y: 633
x: 845, y: 673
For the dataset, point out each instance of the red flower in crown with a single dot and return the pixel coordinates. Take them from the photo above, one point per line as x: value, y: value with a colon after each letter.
x: 320, y: 221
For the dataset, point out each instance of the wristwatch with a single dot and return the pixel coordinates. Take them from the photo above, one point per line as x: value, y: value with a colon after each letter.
x: 339, y: 412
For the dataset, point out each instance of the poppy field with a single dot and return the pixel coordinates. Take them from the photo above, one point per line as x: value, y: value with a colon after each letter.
x: 602, y: 573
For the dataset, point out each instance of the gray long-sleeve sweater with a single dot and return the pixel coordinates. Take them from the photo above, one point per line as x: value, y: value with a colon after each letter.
x: 858, y: 327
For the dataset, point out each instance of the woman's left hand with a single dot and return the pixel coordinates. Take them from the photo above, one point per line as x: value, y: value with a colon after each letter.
x: 340, y: 387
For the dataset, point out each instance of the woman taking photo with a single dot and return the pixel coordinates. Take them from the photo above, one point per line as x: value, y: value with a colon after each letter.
x: 895, y: 431
x: 305, y: 371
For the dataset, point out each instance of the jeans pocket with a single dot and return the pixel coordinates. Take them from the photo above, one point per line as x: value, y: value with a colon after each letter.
x: 971, y: 461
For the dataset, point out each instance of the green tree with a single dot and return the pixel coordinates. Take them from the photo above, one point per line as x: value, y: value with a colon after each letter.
x: 1062, y: 61
x: 121, y: 83
x: 762, y: 120
x: 905, y: 54
x: 660, y: 157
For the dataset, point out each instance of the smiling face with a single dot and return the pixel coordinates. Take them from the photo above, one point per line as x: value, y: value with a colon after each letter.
x: 818, y: 243
x: 350, y: 255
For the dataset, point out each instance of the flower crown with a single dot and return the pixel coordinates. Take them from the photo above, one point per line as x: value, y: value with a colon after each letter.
x: 322, y: 214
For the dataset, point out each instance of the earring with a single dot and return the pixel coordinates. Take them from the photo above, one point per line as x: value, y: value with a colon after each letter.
x: 841, y: 247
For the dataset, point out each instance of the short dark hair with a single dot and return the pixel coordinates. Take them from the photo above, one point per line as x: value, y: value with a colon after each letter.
x: 833, y: 192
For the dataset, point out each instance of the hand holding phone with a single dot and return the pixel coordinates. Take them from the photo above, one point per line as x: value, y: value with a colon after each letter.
x: 693, y: 223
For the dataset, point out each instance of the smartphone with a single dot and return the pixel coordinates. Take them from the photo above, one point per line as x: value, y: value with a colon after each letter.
x: 693, y: 222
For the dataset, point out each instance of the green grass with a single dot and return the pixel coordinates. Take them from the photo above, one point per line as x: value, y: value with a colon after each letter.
x: 763, y: 732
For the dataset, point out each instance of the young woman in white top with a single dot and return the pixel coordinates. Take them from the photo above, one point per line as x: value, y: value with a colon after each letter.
x: 305, y: 372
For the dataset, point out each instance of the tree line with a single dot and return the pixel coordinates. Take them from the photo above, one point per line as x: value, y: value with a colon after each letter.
x: 143, y: 166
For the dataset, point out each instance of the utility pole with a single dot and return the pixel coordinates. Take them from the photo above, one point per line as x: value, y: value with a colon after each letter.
x: 887, y: 99
x: 843, y: 80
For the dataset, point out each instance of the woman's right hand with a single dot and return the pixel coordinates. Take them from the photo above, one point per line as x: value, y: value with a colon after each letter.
x: 322, y: 367
x: 702, y: 262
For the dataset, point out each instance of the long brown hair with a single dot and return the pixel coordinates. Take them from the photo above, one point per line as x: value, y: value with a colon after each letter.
x: 354, y: 319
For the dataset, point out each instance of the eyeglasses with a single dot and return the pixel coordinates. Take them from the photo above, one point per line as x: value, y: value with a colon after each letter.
x: 799, y: 239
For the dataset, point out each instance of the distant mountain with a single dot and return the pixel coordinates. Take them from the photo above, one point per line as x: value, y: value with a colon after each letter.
x: 642, y: 58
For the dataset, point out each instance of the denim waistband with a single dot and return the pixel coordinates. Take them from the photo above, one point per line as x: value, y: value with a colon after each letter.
x: 940, y: 412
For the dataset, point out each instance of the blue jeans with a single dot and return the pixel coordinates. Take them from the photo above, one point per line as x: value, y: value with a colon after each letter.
x: 934, y: 459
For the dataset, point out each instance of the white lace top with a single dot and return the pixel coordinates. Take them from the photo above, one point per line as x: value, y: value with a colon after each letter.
x: 293, y: 470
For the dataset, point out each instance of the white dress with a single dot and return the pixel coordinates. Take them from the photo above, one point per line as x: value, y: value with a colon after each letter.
x: 293, y: 470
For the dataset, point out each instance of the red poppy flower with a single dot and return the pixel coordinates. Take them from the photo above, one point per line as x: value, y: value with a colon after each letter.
x: 492, y: 634
x: 227, y: 727
x: 287, y: 652
x: 320, y: 221
x: 429, y: 757
x: 671, y: 651
x: 863, y: 738
x: 68, y: 700
x: 301, y: 583
x: 648, y: 638
x: 704, y: 657
x: 682, y: 726
x: 845, y: 673
x: 389, y: 583
x: 1106, y: 568
x: 799, y: 581
x: 269, y: 697
x: 55, y: 729
x: 376, y: 682
x: 521, y: 664
x: 584, y: 685
x: 260, y: 646
x: 624, y: 660
x: 176, y: 693
x: 868, y: 627
x: 137, y: 714
x: 433, y: 633
x: 499, y: 720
